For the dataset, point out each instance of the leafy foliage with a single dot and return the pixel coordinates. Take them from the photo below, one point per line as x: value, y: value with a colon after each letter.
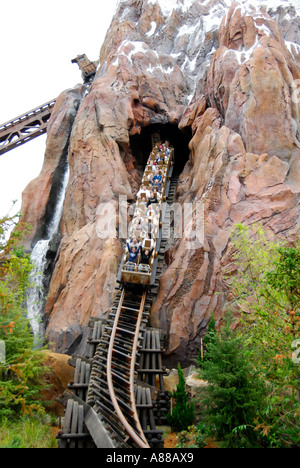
x: 20, y: 377
x: 183, y: 413
x: 235, y: 390
x: 193, y: 437
x: 266, y: 287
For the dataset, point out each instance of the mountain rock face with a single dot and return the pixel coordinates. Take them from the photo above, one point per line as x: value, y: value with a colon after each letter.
x: 218, y: 79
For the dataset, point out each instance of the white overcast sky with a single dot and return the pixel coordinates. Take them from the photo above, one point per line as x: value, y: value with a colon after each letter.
x: 38, y: 40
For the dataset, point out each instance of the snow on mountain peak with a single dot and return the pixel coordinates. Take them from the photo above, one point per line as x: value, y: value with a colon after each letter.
x: 188, y: 31
x: 167, y: 6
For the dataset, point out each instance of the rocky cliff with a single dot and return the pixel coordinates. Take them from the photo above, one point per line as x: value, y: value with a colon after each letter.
x: 218, y: 79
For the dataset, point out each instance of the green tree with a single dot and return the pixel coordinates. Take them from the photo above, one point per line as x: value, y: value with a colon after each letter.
x: 183, y: 413
x: 266, y: 286
x: 15, y: 268
x: 21, y: 376
x: 235, y: 390
x: 284, y: 278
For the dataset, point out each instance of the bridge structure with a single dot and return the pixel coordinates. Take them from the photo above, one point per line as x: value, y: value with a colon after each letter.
x: 34, y: 123
x: 25, y: 127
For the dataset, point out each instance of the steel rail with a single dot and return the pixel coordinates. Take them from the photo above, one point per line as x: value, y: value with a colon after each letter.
x: 136, y: 433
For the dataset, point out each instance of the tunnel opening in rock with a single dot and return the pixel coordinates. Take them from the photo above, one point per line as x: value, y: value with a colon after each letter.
x: 141, y: 145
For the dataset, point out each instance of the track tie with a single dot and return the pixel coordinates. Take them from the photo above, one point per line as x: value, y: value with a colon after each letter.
x: 121, y: 379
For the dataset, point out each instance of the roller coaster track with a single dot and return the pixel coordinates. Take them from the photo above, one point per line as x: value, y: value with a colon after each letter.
x: 111, y: 387
x: 34, y: 123
x: 123, y: 333
x: 25, y: 127
x: 118, y: 397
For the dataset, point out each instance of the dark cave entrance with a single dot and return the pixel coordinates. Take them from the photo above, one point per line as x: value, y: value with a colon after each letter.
x: 141, y: 145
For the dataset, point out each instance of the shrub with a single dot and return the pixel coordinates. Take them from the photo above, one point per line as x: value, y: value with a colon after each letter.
x: 266, y: 287
x: 235, y: 391
x: 194, y: 437
x: 183, y: 413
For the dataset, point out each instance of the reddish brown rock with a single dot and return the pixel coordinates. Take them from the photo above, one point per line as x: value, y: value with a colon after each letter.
x: 82, y: 286
x: 35, y: 209
x: 243, y: 164
x: 250, y: 80
x: 193, y: 286
x: 245, y: 171
x: 57, y: 379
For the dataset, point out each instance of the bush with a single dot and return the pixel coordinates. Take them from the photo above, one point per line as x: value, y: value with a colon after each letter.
x: 266, y: 287
x: 194, y: 437
x: 183, y: 414
x: 235, y: 392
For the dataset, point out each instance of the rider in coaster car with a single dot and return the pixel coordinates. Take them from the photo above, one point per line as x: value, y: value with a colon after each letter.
x: 134, y: 242
x: 152, y: 199
x: 133, y: 253
x: 145, y: 258
x: 157, y: 180
x: 156, y: 194
x: 144, y: 190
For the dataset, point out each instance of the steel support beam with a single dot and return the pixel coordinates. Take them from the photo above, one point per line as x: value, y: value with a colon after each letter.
x: 26, y: 127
